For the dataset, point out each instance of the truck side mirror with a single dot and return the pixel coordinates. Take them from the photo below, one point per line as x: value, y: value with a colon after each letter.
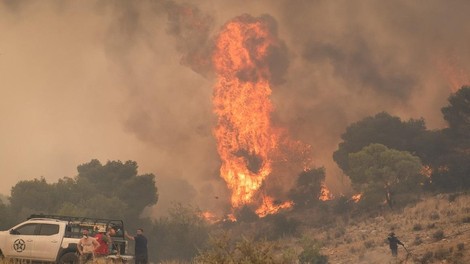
x: 14, y: 232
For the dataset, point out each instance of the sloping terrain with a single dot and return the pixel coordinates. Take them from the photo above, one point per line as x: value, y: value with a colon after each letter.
x: 435, y: 230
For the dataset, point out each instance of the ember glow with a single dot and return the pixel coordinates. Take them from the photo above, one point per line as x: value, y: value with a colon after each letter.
x: 426, y: 171
x: 268, y: 207
x: 245, y: 137
x: 325, y: 194
x: 455, y: 75
x: 209, y: 216
x: 357, y: 197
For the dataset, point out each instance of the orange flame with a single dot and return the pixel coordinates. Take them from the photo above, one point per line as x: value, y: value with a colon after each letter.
x: 455, y: 75
x: 209, y: 216
x: 357, y: 197
x: 268, y: 207
x: 325, y: 194
x: 426, y: 171
x: 244, y: 134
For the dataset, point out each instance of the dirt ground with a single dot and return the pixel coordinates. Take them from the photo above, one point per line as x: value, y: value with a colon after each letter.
x: 435, y: 230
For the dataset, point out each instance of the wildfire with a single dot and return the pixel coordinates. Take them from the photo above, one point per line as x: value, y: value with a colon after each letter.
x: 209, y: 216
x: 268, y: 207
x: 454, y: 74
x: 357, y: 197
x: 325, y: 194
x: 426, y: 171
x: 245, y: 137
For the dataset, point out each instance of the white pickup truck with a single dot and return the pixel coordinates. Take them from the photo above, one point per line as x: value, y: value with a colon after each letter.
x: 53, y: 238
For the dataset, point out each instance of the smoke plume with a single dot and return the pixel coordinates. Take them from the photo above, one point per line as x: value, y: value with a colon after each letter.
x: 132, y: 80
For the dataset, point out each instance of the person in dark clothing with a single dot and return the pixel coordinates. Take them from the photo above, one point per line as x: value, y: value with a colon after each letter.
x: 141, y: 255
x: 393, y: 241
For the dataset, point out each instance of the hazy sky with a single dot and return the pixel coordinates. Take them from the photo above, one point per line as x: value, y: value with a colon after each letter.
x: 116, y: 80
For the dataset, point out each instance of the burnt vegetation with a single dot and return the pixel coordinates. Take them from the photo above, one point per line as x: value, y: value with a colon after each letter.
x: 392, y: 163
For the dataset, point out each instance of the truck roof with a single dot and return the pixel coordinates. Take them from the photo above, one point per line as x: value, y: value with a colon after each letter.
x: 77, y: 223
x: 73, y: 218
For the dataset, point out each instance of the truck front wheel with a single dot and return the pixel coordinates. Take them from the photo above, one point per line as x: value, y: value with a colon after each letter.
x: 69, y: 258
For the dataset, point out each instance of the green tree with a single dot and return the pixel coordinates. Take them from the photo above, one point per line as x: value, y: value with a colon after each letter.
x: 114, y: 190
x: 452, y: 171
x: 308, y: 187
x: 32, y: 196
x: 137, y: 193
x: 380, y: 173
x: 119, y: 180
x: 6, y: 219
x: 390, y: 131
x: 457, y: 115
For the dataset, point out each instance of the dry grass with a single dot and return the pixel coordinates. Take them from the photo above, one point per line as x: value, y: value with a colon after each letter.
x: 434, y: 230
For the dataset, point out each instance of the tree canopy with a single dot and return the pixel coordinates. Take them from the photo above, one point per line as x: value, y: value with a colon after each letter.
x: 457, y: 115
x: 308, y: 187
x: 387, y: 130
x: 379, y: 172
x: 113, y: 190
x: 452, y: 170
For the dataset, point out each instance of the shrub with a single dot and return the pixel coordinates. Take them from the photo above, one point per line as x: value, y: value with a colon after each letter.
x: 427, y: 257
x: 246, y: 214
x: 369, y: 244
x: 418, y: 241
x: 417, y: 227
x: 311, y: 253
x: 180, y: 234
x: 342, y: 205
x: 438, y: 235
x: 280, y: 225
x: 452, y: 197
x: 222, y: 249
x: 434, y: 216
x: 441, y: 254
x: 340, y: 232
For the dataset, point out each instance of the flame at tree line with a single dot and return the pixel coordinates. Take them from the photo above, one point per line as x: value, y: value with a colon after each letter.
x: 245, y: 137
x: 247, y: 142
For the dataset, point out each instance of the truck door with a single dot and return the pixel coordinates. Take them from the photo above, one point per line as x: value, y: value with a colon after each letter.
x: 47, y: 241
x: 20, y: 241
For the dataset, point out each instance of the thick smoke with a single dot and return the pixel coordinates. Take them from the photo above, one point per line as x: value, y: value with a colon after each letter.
x: 191, y: 29
x: 132, y: 80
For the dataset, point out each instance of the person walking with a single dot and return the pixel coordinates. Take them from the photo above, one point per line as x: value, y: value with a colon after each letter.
x: 393, y: 241
x: 140, y: 247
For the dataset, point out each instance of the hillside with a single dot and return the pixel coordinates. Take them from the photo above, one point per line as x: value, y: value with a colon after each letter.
x: 435, y: 230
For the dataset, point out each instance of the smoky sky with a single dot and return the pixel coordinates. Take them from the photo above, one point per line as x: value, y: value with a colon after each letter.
x: 133, y: 80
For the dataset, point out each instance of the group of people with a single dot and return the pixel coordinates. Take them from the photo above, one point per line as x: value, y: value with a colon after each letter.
x: 101, y: 245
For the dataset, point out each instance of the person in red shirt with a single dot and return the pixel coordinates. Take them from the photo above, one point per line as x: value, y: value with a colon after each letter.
x: 104, y: 239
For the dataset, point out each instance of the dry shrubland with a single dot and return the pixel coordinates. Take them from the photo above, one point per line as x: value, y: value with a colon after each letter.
x: 435, y: 229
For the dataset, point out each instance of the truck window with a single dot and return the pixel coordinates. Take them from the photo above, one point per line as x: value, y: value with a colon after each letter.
x: 48, y: 229
x: 27, y: 229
